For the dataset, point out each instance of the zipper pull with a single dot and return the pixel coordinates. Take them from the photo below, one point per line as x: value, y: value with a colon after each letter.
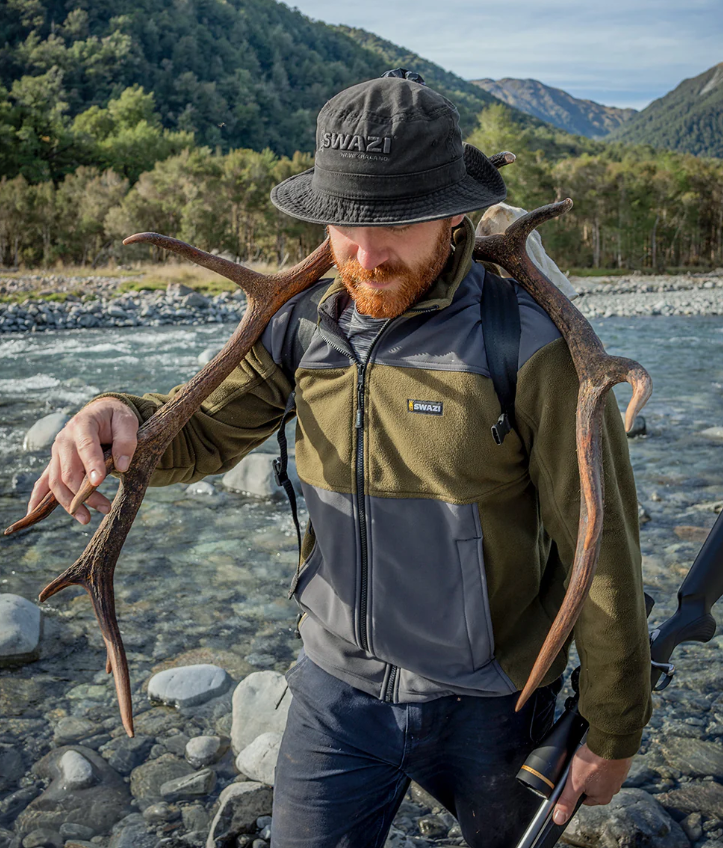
x: 360, y: 400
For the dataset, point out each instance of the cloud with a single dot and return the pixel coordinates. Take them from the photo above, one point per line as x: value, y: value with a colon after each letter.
x: 633, y: 51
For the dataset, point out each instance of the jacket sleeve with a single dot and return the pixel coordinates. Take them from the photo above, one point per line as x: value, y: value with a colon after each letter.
x: 611, y: 634
x: 237, y: 417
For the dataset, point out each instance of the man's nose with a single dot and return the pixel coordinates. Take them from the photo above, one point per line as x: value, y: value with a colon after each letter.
x: 371, y: 251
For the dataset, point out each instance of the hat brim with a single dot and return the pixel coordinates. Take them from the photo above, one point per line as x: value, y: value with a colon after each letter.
x: 482, y: 186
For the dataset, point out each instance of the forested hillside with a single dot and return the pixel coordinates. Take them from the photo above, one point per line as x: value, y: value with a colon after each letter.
x: 688, y: 119
x: 557, y: 107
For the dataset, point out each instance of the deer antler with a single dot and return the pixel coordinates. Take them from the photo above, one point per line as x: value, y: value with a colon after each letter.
x: 598, y: 373
x: 95, y: 568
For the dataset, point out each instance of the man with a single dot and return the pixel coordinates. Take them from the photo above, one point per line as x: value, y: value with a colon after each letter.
x: 435, y: 560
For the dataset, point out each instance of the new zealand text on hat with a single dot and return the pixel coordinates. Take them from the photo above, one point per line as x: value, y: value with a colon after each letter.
x: 389, y: 151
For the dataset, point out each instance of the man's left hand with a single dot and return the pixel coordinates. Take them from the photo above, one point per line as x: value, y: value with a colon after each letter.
x: 598, y: 778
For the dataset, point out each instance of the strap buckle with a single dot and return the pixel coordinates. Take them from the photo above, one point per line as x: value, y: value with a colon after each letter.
x: 280, y: 474
x: 501, y: 428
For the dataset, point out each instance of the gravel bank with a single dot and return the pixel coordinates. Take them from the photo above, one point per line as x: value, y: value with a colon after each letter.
x: 102, y: 306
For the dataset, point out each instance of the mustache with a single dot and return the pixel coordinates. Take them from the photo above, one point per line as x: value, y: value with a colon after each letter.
x: 384, y: 273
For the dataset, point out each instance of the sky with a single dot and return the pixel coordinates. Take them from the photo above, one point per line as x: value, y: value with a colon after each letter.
x: 614, y: 52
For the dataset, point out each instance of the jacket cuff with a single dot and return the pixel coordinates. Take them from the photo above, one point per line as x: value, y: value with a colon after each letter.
x: 611, y: 746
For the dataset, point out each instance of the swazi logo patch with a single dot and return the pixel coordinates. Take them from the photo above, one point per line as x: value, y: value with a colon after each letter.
x: 426, y: 407
x: 364, y: 144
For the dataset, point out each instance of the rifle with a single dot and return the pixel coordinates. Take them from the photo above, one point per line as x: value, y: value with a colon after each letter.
x: 546, y: 769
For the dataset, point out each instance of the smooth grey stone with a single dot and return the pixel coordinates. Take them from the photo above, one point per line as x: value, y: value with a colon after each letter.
x: 398, y: 839
x: 16, y: 802
x: 254, y: 475
x: 12, y: 767
x: 195, y: 818
x: 189, y: 787
x: 265, y: 833
x: 124, y: 754
x: 188, y: 685
x: 696, y: 796
x: 714, y: 433
x: 42, y: 434
x: 632, y: 818
x: 203, y: 750
x: 260, y: 704
x: 639, y: 427
x: 147, y: 779
x: 641, y: 773
x: 258, y: 760
x: 263, y: 821
x: 693, y: 757
x: 77, y: 772
x: 194, y: 300
x: 160, y: 813
x: 8, y: 839
x: 70, y: 830
x: 259, y: 843
x: 643, y: 515
x: 206, y: 355
x: 693, y: 826
x: 132, y: 833
x: 72, y: 729
x: 176, y: 744
x: 202, y: 487
x: 432, y: 827
x: 43, y: 838
x: 20, y: 630
x: 97, y: 807
x: 240, y: 804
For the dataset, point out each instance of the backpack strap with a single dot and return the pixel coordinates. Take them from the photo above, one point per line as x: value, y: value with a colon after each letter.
x: 501, y: 329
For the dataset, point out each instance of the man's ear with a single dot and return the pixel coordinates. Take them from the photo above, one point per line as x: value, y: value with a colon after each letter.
x: 456, y: 221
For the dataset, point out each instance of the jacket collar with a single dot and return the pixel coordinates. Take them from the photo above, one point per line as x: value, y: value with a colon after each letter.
x: 443, y: 289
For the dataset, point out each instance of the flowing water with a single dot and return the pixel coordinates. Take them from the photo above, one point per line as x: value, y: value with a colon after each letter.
x: 203, y: 578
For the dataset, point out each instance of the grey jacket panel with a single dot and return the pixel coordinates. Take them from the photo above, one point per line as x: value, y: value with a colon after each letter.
x: 419, y: 551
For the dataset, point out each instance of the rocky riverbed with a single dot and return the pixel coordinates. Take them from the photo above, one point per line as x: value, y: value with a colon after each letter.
x: 201, y: 599
x: 103, y: 305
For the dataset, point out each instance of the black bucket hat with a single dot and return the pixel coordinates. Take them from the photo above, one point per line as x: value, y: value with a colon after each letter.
x: 389, y: 151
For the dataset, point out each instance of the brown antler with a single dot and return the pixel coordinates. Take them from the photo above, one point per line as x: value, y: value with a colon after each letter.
x: 95, y: 568
x: 598, y: 373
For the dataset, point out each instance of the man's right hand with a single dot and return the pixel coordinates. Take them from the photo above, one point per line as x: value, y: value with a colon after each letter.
x: 77, y: 452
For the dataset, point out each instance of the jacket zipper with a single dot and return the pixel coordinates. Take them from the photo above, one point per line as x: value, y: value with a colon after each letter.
x: 388, y: 693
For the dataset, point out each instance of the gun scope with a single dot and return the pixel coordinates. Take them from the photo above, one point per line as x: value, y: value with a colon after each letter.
x: 545, y: 766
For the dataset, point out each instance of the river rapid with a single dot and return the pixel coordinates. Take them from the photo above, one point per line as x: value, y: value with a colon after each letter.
x: 203, y: 577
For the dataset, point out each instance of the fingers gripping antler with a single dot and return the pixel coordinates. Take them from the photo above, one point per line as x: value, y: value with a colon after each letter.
x: 95, y: 568
x: 598, y: 373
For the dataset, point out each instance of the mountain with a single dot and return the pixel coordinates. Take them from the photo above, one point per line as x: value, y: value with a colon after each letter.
x: 557, y: 107
x: 688, y: 119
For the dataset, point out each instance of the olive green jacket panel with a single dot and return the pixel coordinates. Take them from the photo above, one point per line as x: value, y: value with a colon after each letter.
x: 236, y: 418
x: 545, y: 408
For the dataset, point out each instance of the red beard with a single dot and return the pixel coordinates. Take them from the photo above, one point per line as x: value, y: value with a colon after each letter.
x: 411, y: 282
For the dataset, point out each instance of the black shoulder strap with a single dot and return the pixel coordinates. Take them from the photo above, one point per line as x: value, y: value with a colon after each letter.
x: 501, y: 329
x: 302, y: 323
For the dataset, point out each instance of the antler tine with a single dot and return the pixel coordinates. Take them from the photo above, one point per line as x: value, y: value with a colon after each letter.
x: 499, y: 160
x: 597, y: 373
x: 95, y: 568
x: 243, y: 277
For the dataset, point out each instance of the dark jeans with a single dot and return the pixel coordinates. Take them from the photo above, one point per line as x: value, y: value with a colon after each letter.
x: 347, y: 759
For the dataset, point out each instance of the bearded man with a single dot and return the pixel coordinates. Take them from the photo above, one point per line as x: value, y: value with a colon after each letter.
x: 435, y: 560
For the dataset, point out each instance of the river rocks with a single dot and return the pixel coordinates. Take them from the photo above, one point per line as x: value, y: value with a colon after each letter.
x: 96, y: 805
x: 693, y: 757
x: 124, y: 754
x: 43, y: 838
x: 691, y: 534
x: 189, y: 787
x: 714, y: 433
x: 260, y: 704
x: 632, y: 818
x: 20, y: 630
x: 147, y: 779
x: 68, y: 830
x: 639, y: 427
x: 188, y: 686
x: 703, y: 797
x: 12, y: 767
x: 203, y: 750
x: 258, y: 759
x: 254, y: 475
x: 76, y: 771
x: 42, y: 434
x: 132, y: 832
x: 239, y: 805
x: 72, y: 729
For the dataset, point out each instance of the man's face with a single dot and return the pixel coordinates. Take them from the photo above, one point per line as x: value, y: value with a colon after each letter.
x: 387, y: 269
